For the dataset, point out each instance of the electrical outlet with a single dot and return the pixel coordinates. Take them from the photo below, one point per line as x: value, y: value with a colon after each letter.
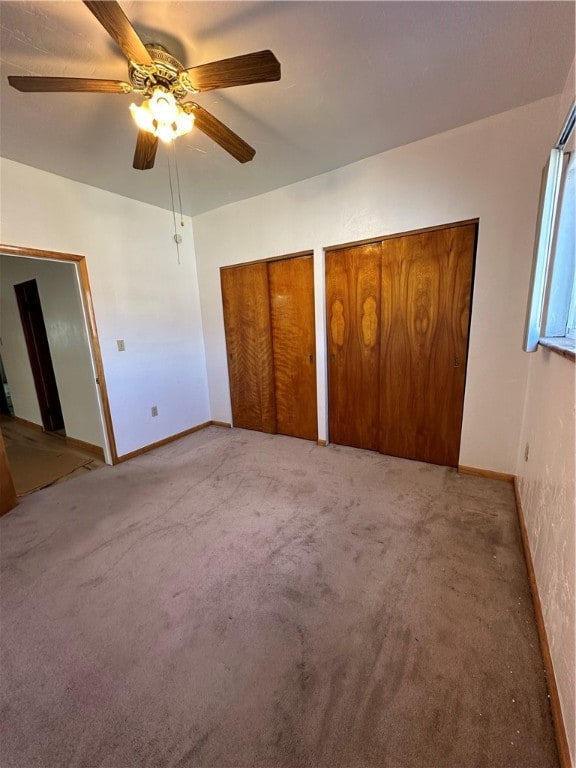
x: 154, y: 410
x: 526, y: 451
x: 121, y: 345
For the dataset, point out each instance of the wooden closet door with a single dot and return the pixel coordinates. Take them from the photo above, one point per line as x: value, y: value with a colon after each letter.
x: 249, y: 346
x: 353, y: 329
x: 426, y: 291
x: 291, y: 284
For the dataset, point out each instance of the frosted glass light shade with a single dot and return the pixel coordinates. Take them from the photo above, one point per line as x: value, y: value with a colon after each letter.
x: 162, y: 116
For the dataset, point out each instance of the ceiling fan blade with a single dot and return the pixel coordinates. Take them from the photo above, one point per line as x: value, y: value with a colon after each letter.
x: 259, y: 67
x: 221, y: 134
x: 72, y: 84
x: 115, y: 22
x: 145, y: 154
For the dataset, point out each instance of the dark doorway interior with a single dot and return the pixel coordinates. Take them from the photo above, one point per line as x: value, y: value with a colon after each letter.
x: 34, y: 327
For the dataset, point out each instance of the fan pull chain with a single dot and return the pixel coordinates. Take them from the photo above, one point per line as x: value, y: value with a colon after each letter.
x: 178, y: 183
x: 177, y: 237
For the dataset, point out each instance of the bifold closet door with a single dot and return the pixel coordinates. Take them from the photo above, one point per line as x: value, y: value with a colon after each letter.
x: 426, y: 292
x: 353, y: 286
x: 245, y: 298
x: 291, y: 285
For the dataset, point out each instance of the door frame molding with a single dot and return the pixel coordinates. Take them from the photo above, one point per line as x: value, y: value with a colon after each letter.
x: 93, y: 339
x: 298, y: 255
x: 394, y: 235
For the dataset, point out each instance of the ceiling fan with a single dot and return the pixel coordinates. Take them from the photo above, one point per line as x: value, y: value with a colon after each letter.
x: 163, y: 81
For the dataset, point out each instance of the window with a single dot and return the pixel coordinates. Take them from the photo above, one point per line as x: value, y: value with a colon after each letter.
x: 552, y: 305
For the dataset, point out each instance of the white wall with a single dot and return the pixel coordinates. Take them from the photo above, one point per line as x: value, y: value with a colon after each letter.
x: 548, y: 491
x: 140, y: 292
x: 68, y: 341
x: 491, y: 170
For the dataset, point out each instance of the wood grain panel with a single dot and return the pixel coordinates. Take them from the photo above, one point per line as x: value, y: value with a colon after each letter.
x: 249, y: 346
x: 220, y: 133
x: 145, y: 152
x: 30, y: 84
x: 426, y: 290
x: 115, y: 22
x: 258, y: 67
x: 353, y: 329
x: 291, y: 284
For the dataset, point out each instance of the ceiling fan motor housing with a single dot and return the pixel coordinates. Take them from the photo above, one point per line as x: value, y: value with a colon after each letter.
x: 165, y: 71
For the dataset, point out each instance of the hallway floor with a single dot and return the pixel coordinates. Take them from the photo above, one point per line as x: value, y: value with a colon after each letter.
x: 38, y: 459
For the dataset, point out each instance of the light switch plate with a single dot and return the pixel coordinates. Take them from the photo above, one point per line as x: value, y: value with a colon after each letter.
x: 121, y: 345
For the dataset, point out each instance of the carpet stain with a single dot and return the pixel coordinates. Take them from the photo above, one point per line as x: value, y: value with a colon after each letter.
x: 192, y: 751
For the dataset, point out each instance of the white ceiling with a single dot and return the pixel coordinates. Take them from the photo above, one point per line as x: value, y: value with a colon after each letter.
x: 358, y: 78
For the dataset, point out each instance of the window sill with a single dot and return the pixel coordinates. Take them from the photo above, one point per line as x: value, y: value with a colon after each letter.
x: 560, y: 345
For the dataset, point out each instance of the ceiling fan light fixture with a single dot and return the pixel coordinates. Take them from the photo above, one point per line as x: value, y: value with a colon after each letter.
x: 162, y: 116
x: 164, y: 83
x: 163, y: 106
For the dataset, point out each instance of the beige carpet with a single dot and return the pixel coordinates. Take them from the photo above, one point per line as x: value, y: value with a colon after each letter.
x: 240, y: 600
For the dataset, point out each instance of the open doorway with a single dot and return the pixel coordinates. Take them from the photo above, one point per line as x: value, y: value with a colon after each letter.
x: 51, y: 363
x: 34, y: 327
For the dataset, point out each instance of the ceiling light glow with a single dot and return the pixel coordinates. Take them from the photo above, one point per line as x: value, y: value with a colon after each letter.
x: 162, y: 116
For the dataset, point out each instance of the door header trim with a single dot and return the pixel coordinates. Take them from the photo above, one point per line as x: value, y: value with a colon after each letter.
x: 380, y: 238
x: 299, y: 255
